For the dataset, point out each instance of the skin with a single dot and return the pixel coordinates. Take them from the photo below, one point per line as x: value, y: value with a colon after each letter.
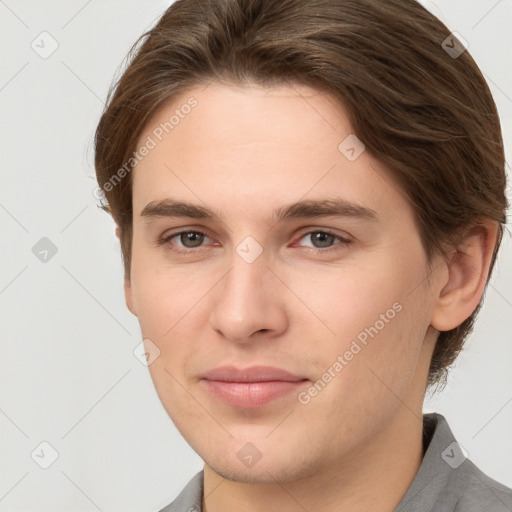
x: 245, y: 151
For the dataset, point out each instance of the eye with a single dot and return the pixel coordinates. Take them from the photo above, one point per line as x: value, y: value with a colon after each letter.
x: 187, y: 240
x: 322, y: 240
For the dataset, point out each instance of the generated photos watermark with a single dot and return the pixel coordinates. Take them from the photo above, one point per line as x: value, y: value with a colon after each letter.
x: 356, y: 346
x: 151, y: 142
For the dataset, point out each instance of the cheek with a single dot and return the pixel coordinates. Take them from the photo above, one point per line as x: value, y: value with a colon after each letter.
x: 372, y: 377
x: 164, y: 296
x: 350, y: 301
x: 379, y: 321
x: 387, y: 363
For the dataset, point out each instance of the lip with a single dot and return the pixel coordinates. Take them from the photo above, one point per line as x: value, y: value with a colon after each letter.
x: 252, y: 374
x: 251, y: 387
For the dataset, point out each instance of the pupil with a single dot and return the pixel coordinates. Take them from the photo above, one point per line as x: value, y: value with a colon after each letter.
x: 192, y: 236
x: 320, y: 237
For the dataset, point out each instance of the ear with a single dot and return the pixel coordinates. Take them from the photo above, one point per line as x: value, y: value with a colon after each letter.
x: 128, y: 294
x: 464, y: 282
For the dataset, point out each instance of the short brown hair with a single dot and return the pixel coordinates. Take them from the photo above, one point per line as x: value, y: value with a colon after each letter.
x: 429, y: 117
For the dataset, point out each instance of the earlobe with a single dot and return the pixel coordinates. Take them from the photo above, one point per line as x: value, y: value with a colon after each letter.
x: 466, y: 277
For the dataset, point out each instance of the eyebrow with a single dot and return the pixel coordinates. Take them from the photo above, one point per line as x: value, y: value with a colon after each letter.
x: 333, y: 207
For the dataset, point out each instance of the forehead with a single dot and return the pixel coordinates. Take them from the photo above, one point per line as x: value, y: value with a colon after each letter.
x: 215, y: 118
x: 227, y: 100
x: 250, y: 146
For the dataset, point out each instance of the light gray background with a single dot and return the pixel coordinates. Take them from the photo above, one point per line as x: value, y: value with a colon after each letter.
x: 68, y: 374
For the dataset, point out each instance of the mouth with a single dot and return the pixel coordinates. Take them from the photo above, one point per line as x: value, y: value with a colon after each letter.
x: 253, y: 387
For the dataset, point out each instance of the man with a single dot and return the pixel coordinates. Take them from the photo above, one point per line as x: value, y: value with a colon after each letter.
x: 310, y: 199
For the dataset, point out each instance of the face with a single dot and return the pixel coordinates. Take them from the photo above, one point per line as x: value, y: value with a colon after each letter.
x: 334, y: 292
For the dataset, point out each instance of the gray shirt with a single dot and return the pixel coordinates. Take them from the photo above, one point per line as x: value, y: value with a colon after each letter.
x: 446, y: 482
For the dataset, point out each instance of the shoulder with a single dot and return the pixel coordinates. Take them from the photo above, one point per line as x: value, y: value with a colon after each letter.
x: 473, y: 490
x: 447, y: 481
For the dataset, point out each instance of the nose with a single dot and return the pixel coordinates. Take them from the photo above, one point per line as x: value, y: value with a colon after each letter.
x: 250, y: 301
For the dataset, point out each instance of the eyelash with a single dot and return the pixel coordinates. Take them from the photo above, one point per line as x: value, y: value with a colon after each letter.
x: 167, y: 239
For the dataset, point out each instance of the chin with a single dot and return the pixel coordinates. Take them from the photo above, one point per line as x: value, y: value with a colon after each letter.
x: 268, y: 471
x: 253, y: 475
